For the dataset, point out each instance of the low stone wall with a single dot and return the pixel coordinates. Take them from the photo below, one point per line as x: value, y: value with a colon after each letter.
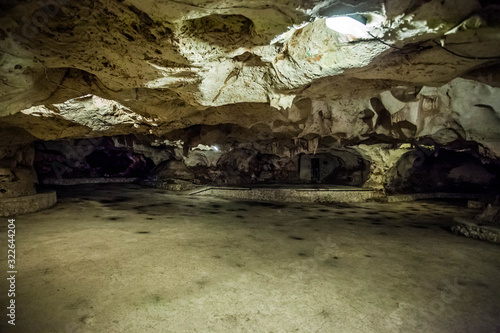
x: 170, y: 186
x: 27, y: 204
x: 437, y: 195
x: 78, y: 181
x: 16, y: 182
x: 292, y: 195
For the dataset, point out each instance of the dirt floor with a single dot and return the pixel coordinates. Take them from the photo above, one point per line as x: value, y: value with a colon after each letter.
x: 120, y: 258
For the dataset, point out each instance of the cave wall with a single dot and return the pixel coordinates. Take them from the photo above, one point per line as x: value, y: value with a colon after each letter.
x: 17, y: 174
x: 393, y: 169
x: 443, y: 170
x: 153, y: 88
x: 239, y: 163
x: 274, y: 71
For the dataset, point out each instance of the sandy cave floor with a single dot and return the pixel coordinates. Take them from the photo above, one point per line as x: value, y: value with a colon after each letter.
x: 120, y: 258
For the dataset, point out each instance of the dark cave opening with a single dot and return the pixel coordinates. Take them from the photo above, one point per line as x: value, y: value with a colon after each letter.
x: 119, y: 163
x: 444, y: 170
x: 91, y: 158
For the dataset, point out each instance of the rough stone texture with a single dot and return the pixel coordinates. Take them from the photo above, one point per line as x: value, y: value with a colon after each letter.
x: 171, y: 185
x: 17, y: 175
x: 225, y: 73
x: 491, y: 214
x: 473, y: 229
x: 27, y: 204
x: 382, y: 159
x: 16, y: 182
x: 485, y: 226
x: 325, y: 194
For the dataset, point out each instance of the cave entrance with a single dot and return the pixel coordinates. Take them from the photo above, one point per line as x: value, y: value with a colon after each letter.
x: 315, y: 170
x: 341, y: 168
x: 443, y: 170
x: 92, y: 158
x: 118, y: 163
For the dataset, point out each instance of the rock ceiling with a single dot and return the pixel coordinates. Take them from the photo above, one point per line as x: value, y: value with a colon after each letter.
x: 228, y: 70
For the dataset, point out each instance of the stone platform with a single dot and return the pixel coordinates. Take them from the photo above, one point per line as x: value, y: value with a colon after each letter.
x: 293, y: 193
x: 170, y: 185
x: 27, y: 204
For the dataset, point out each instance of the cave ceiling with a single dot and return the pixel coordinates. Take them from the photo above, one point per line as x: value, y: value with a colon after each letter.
x: 251, y: 70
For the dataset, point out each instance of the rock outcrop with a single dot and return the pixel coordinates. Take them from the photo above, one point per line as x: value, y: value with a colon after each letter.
x: 263, y: 81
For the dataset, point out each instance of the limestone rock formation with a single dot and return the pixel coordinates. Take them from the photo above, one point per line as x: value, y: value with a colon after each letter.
x: 265, y: 82
x: 485, y: 226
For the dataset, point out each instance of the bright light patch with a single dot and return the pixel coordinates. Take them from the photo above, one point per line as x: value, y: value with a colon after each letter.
x: 347, y: 26
x: 216, y: 148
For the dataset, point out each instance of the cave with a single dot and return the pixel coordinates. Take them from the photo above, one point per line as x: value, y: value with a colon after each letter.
x: 219, y: 166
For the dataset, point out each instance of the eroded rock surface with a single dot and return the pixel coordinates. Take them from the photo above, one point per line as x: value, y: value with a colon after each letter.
x: 264, y: 81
